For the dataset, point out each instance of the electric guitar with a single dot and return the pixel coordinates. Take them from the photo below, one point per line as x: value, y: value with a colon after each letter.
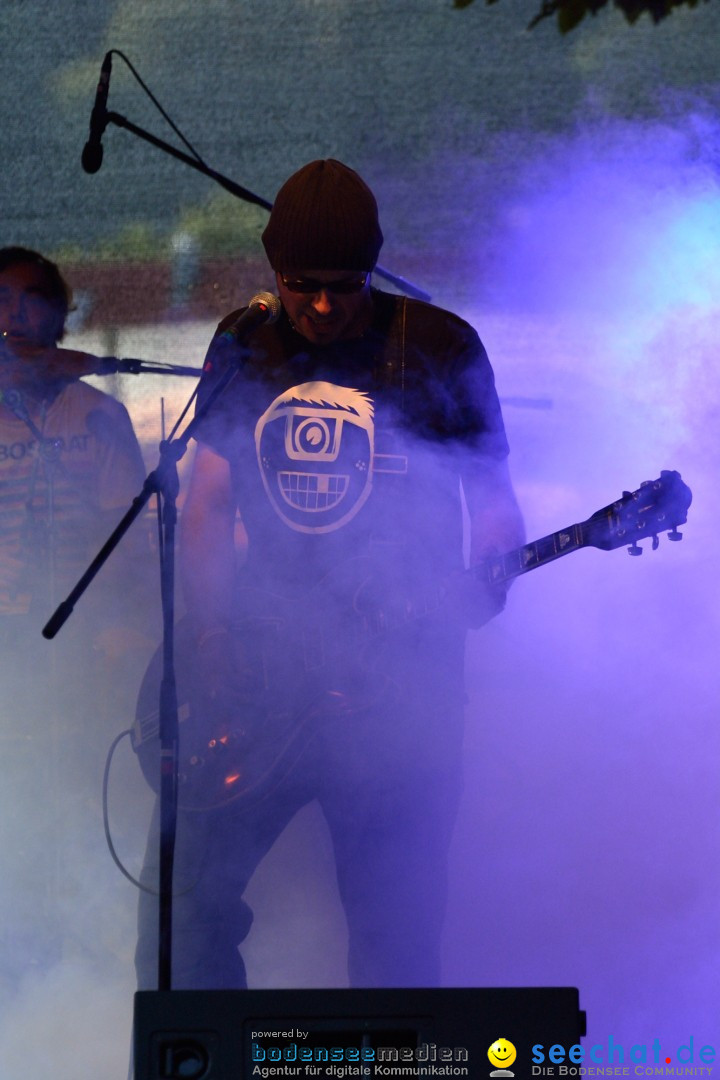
x: 294, y: 655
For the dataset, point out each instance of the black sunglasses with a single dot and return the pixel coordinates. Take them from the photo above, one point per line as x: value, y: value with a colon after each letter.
x: 311, y: 285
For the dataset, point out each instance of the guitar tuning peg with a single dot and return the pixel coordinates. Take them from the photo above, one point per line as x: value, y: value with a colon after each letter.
x: 655, y: 542
x: 674, y: 534
x: 635, y: 549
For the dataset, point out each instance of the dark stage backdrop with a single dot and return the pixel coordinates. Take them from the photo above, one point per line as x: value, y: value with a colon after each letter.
x: 561, y: 193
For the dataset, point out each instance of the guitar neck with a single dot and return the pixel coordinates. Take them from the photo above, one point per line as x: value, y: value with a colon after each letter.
x: 522, y: 560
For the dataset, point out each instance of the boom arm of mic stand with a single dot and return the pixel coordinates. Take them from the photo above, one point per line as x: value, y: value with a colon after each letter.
x: 230, y: 185
x: 112, y: 365
x: 64, y: 610
x: 241, y: 192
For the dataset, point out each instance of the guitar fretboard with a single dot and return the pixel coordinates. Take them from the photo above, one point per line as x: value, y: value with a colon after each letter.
x: 523, y: 559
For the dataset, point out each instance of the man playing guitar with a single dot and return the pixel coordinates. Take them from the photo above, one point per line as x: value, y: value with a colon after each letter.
x: 329, y: 481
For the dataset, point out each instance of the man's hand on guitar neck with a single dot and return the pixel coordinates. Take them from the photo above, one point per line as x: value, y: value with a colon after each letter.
x: 472, y: 602
x: 496, y: 525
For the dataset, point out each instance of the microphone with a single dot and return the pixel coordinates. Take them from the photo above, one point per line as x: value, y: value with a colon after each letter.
x: 109, y: 365
x: 68, y: 365
x: 92, y: 154
x: 59, y: 363
x: 264, y: 307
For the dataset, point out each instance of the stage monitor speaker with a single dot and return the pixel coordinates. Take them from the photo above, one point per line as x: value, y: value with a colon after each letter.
x: 343, y: 1034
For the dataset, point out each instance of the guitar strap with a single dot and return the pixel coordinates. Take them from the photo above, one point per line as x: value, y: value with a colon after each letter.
x: 389, y: 466
x: 392, y: 369
x: 390, y: 373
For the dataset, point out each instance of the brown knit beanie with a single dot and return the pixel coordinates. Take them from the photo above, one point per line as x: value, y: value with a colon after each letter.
x: 324, y: 218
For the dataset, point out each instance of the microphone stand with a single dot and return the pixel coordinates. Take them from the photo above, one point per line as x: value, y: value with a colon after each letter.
x: 113, y: 365
x: 238, y: 191
x: 163, y: 482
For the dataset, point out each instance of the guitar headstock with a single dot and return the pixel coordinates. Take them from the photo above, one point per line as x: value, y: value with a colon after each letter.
x: 657, y: 506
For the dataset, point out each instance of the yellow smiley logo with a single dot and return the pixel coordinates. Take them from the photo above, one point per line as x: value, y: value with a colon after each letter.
x: 502, y: 1053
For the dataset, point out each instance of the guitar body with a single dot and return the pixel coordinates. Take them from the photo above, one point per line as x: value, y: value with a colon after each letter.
x: 303, y: 661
